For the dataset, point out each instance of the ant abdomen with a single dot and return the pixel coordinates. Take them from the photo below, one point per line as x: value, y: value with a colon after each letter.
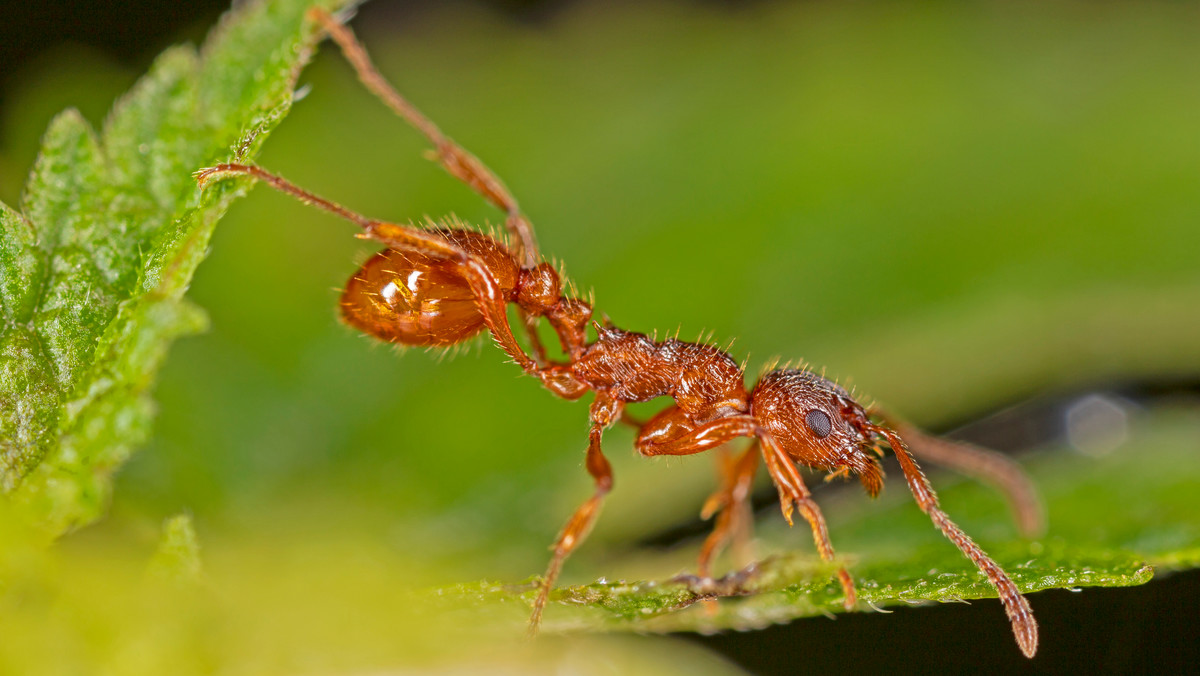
x: 412, y: 299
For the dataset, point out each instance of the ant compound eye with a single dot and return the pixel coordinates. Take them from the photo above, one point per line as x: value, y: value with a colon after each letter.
x: 818, y: 421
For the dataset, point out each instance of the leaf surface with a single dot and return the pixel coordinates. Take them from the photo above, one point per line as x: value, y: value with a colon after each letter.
x: 94, y: 267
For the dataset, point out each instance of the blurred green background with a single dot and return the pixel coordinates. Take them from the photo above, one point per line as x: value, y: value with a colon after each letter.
x: 949, y: 206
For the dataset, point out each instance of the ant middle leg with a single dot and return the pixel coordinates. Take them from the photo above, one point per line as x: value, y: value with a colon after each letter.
x: 605, y: 410
x: 734, y: 520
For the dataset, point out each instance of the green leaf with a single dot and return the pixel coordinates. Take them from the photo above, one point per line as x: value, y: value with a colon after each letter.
x: 94, y: 269
x: 1114, y: 521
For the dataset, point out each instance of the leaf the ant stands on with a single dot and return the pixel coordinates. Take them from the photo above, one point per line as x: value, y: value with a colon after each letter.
x: 94, y: 267
x: 1095, y: 539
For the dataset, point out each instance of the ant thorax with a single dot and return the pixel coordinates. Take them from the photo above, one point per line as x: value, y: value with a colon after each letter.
x: 705, y: 382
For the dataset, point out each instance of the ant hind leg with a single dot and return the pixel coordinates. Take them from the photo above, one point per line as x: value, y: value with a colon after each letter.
x: 453, y: 157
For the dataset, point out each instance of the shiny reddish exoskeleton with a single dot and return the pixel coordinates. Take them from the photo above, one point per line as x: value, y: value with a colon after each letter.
x: 443, y: 284
x: 412, y: 299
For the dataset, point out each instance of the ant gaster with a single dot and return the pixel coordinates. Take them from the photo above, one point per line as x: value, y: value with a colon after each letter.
x: 443, y: 284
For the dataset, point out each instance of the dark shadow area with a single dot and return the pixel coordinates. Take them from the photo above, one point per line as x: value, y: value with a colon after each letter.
x: 135, y: 31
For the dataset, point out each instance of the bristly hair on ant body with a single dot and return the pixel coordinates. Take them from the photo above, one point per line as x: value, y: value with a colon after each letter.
x: 444, y: 283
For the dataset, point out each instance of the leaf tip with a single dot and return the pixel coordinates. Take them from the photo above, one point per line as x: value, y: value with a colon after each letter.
x: 178, y: 553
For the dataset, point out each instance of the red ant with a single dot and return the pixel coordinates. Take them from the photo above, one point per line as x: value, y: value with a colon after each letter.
x: 443, y: 284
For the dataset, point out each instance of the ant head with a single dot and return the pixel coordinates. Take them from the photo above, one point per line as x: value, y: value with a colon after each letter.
x: 818, y: 423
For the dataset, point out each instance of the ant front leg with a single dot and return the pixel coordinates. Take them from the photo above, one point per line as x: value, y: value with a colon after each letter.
x: 671, y: 432
x: 605, y: 410
x: 735, y: 521
x: 794, y: 494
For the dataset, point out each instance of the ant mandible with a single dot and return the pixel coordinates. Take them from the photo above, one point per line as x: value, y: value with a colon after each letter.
x: 444, y: 284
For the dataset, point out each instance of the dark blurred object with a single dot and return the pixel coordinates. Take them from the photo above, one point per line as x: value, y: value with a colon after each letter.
x: 1137, y: 630
x: 133, y: 32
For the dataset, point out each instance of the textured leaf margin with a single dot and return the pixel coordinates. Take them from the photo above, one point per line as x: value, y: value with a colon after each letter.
x: 94, y: 268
